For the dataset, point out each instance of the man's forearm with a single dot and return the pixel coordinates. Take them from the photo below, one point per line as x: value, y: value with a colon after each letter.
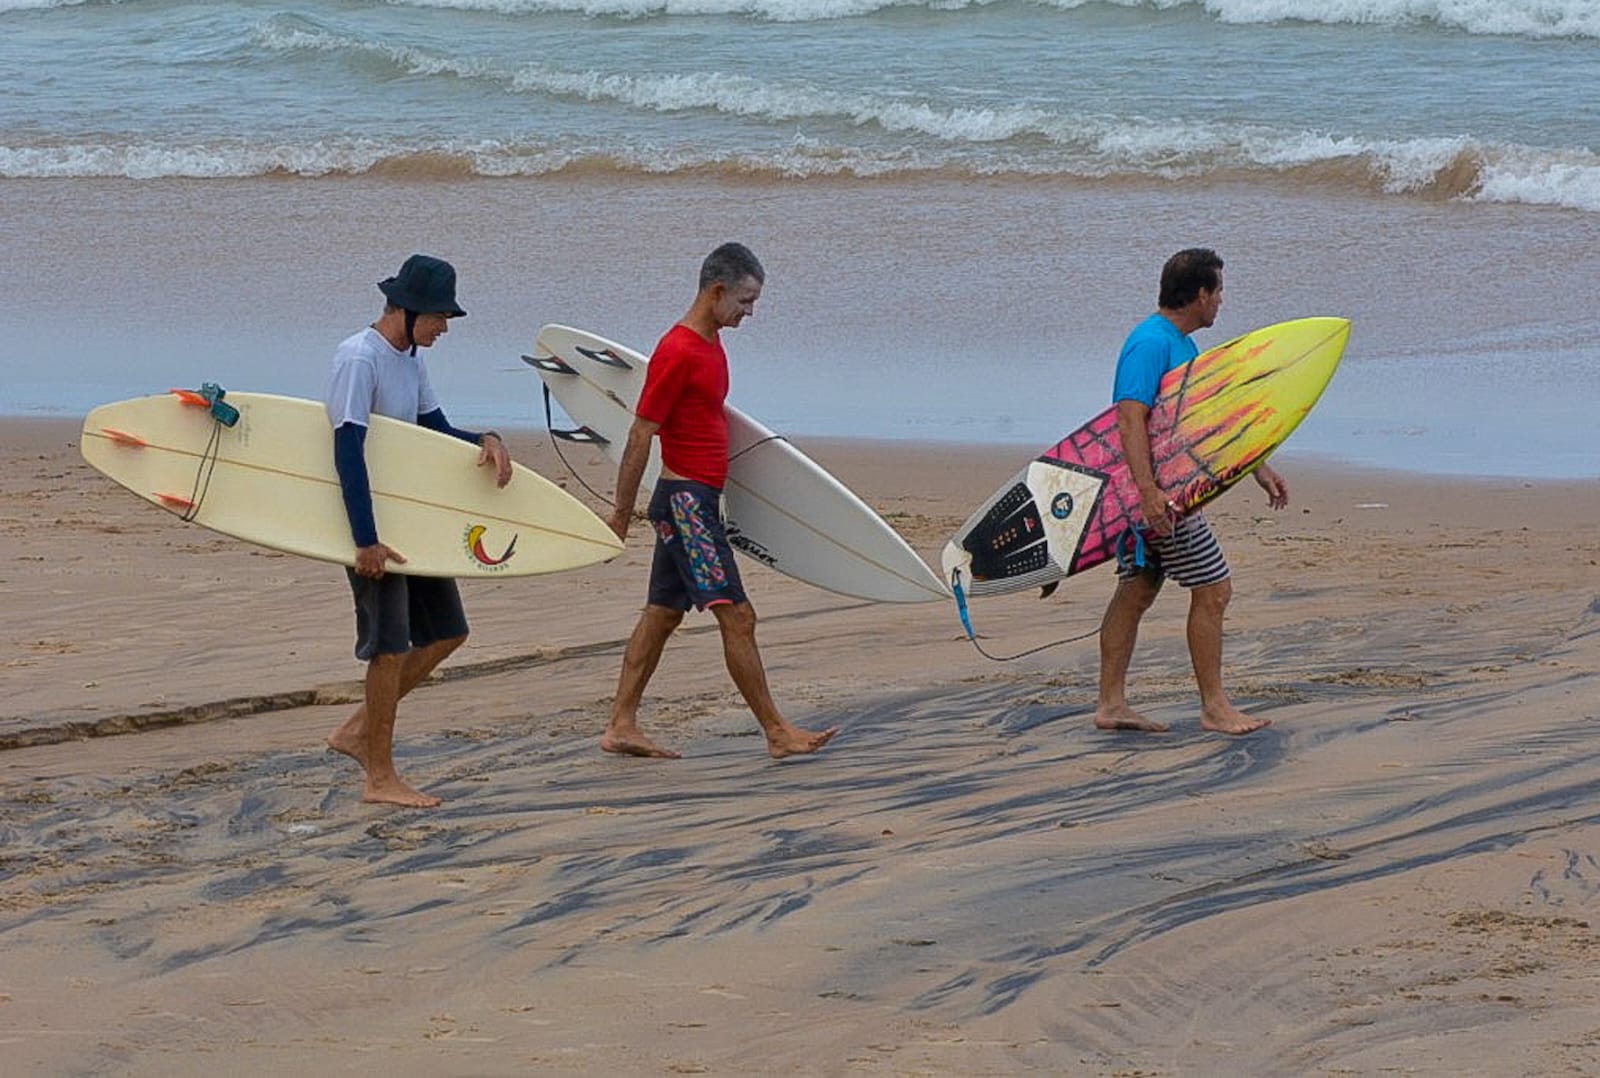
x: 1134, y: 430
x: 634, y: 458
x: 349, y: 460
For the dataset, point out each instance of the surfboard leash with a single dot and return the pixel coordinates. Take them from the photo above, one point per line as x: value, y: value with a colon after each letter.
x: 202, y: 475
x: 555, y: 443
x: 966, y: 622
x: 1130, y: 548
x: 557, y: 437
x: 210, y: 397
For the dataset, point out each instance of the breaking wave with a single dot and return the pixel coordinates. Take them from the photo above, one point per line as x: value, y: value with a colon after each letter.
x: 1530, y: 18
x: 1442, y: 169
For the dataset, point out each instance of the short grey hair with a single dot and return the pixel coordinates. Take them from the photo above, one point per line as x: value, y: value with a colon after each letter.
x: 730, y: 264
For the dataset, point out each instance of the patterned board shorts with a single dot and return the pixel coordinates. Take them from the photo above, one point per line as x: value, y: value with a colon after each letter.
x: 693, y: 564
x: 1191, y: 555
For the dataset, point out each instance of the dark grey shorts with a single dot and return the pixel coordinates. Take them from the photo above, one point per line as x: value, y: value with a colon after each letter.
x: 397, y: 613
x: 1191, y: 555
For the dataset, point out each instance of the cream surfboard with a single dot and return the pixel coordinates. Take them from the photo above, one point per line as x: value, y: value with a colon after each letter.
x: 269, y: 479
x: 779, y: 506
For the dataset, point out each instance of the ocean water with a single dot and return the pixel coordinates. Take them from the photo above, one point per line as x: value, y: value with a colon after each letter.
x: 963, y: 206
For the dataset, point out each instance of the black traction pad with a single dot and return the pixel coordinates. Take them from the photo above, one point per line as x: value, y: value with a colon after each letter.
x: 1009, y: 540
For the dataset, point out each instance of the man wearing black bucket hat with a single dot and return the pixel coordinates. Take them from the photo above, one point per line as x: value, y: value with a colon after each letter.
x: 405, y: 625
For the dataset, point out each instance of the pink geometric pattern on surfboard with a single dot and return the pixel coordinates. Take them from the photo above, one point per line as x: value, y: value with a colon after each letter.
x: 1205, y: 433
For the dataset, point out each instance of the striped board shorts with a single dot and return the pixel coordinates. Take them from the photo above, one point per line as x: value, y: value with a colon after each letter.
x: 1191, y: 555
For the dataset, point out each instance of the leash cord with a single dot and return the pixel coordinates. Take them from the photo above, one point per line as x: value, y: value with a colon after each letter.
x: 555, y: 443
x: 202, y: 475
x: 966, y: 622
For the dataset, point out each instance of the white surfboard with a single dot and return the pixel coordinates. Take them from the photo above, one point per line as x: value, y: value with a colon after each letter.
x: 779, y: 506
x: 269, y: 479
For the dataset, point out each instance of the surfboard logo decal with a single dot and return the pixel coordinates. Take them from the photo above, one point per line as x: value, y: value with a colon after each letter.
x: 474, y: 543
x: 1061, y: 506
x: 742, y: 542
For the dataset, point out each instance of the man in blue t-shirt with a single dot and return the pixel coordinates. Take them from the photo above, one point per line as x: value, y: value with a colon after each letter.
x: 1181, y: 547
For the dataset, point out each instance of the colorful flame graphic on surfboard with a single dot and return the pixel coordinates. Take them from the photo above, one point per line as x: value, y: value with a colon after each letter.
x: 481, y: 556
x: 1214, y: 420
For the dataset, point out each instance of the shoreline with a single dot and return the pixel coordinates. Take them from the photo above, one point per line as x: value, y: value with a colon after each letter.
x: 67, y: 427
x: 994, y: 316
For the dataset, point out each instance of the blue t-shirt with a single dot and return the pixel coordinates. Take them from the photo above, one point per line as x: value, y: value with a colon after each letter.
x: 1153, y: 348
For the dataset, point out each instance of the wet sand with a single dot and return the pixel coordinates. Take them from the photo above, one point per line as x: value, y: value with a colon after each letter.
x: 937, y: 309
x: 1400, y: 873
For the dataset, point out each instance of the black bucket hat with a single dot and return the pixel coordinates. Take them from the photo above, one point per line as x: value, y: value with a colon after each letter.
x: 426, y: 285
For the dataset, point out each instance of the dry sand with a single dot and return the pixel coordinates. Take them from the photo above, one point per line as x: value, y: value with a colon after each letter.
x: 1400, y: 874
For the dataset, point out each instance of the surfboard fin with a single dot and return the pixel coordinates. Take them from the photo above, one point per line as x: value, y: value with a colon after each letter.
x: 583, y: 435
x: 122, y: 437
x: 552, y: 364
x: 175, y: 502
x: 606, y: 356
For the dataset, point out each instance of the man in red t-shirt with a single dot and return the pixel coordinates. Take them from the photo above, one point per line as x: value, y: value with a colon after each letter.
x: 682, y: 403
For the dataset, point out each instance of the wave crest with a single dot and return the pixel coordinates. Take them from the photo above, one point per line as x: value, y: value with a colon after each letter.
x: 1527, y: 18
x: 1519, y: 18
x: 1444, y: 169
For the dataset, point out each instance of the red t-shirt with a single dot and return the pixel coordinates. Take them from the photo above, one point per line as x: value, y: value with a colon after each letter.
x: 684, y: 389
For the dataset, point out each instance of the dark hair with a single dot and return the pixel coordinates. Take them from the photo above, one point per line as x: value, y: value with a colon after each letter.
x: 1186, y: 274
x: 730, y: 264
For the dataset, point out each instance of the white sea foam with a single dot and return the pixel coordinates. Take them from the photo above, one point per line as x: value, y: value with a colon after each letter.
x: 825, y: 131
x: 1529, y: 18
x: 36, y: 5
x: 1451, y: 168
x: 211, y: 160
x: 1534, y: 18
x: 735, y: 95
x: 771, y: 10
x: 1571, y: 180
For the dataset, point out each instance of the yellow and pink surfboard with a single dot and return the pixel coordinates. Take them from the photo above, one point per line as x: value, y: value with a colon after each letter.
x: 1215, y: 419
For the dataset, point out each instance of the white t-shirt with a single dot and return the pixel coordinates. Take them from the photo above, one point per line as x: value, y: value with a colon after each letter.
x: 370, y: 375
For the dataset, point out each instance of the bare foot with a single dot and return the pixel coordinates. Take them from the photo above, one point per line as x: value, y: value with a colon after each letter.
x: 634, y: 743
x: 793, y: 741
x: 394, y: 791
x: 1124, y: 717
x: 1230, y: 720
